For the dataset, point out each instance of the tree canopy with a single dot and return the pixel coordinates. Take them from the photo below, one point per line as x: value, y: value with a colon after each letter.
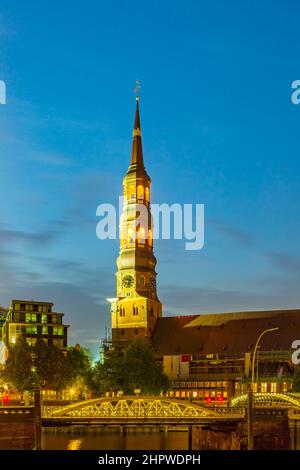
x: 18, y: 367
x: 135, y: 368
x: 44, y: 365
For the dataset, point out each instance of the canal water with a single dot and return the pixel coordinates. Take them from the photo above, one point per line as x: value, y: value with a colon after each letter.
x: 98, y: 439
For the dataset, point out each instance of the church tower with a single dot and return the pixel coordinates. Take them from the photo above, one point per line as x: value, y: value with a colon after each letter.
x: 135, y: 309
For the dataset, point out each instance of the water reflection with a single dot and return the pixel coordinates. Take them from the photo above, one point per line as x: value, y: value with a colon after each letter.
x: 74, y: 444
x: 89, y: 439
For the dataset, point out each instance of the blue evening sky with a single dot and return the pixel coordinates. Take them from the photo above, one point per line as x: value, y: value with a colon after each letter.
x: 218, y: 126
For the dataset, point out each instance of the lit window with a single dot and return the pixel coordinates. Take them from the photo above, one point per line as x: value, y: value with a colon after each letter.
x: 254, y: 387
x: 177, y: 394
x: 54, y: 319
x: 147, y: 194
x: 44, y: 330
x: 131, y: 193
x: 58, y: 330
x: 40, y: 308
x: 44, y: 308
x: 31, y: 341
x: 141, y: 235
x: 30, y: 317
x: 273, y: 387
x: 140, y: 192
x: 284, y: 387
x: 195, y: 394
x: 263, y: 387
x: 130, y: 237
x: 31, y: 330
x: 44, y: 318
x: 17, y: 306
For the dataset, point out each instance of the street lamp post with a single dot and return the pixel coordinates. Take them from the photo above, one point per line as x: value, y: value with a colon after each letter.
x: 250, y: 391
x: 269, y: 330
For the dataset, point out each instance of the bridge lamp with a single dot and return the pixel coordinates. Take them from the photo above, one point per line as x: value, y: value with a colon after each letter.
x: 137, y: 391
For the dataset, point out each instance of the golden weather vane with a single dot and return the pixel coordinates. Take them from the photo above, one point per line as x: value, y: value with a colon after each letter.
x: 137, y: 88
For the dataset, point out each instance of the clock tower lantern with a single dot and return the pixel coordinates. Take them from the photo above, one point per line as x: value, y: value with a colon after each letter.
x: 135, y: 309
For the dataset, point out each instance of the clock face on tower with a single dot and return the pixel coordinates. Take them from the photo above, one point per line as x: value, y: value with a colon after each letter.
x: 128, y: 281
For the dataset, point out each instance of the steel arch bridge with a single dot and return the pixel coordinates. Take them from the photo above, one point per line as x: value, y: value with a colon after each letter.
x: 269, y: 400
x: 147, y: 408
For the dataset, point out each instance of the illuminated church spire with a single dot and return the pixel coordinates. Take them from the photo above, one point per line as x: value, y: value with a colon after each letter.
x: 137, y: 161
x: 136, y: 307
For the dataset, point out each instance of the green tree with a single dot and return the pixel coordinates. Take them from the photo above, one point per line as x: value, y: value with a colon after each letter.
x: 143, y: 371
x: 18, y: 367
x: 79, y: 361
x: 135, y: 368
x: 52, y: 366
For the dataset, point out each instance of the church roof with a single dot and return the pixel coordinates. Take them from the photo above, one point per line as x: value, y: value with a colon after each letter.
x: 226, y: 333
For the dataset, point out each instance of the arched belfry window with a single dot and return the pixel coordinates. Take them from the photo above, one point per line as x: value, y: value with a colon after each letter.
x: 147, y: 195
x: 131, y: 193
x: 135, y: 310
x: 140, y: 192
x: 141, y: 235
x: 130, y: 237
